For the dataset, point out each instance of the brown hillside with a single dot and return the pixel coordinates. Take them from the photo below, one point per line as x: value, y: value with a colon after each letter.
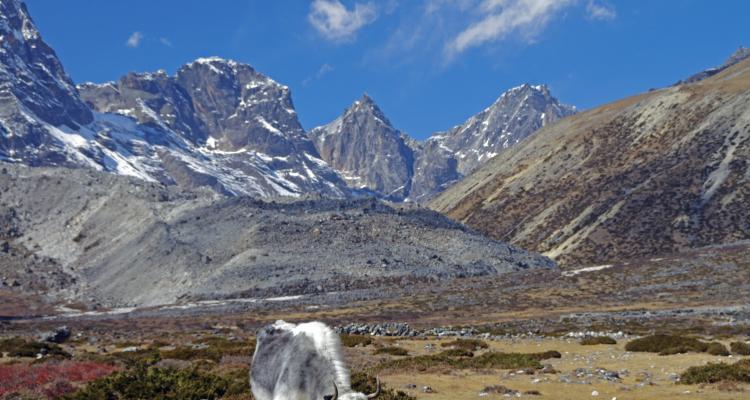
x: 655, y: 173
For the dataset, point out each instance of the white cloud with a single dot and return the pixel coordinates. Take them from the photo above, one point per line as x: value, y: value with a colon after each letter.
x: 600, y: 11
x: 324, y: 70
x: 500, y: 18
x: 335, y: 22
x: 165, y: 41
x: 134, y: 40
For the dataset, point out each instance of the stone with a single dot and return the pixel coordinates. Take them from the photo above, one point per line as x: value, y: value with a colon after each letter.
x: 59, y: 335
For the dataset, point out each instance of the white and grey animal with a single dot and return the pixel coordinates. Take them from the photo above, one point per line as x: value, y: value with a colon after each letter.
x: 301, y: 362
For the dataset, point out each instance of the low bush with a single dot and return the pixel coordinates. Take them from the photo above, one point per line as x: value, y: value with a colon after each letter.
x: 355, y: 340
x: 717, y: 372
x: 500, y: 389
x: 456, y: 353
x: 676, y: 350
x: 49, y: 380
x: 489, y: 360
x: 666, y: 344
x: 717, y: 349
x: 10, y: 344
x: 392, y: 350
x: 466, y: 344
x: 546, y: 355
x: 19, y: 347
x: 364, y: 383
x: 147, y: 382
x: 130, y: 358
x: 740, y: 348
x: 594, y: 340
x: 212, y: 348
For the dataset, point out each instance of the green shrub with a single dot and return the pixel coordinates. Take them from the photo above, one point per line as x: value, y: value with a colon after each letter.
x: 717, y: 349
x: 594, y: 340
x: 361, y: 382
x: 666, y: 344
x: 130, y: 358
x: 144, y: 382
x: 546, y: 355
x: 456, y: 353
x: 716, y: 372
x: 487, y: 360
x: 466, y: 344
x: 217, y: 347
x: 740, y: 348
x: 394, y: 351
x: 10, y: 344
x: 238, y: 380
x: 355, y: 340
x: 127, y: 343
x: 675, y: 350
x: 19, y: 347
x: 507, y: 360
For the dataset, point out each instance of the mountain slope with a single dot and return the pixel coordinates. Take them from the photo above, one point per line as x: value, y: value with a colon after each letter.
x: 655, y: 173
x: 126, y: 242
x: 367, y: 150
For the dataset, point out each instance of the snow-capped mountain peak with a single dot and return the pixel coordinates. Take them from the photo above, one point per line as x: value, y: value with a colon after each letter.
x: 216, y: 123
x: 517, y: 113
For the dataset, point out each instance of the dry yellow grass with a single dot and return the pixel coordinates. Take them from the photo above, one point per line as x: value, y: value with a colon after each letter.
x: 458, y: 385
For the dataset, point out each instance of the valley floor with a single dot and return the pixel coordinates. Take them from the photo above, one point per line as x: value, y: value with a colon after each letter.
x: 701, y: 293
x: 642, y: 376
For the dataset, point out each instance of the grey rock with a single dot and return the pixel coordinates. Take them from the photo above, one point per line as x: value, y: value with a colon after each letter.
x: 190, y: 246
x: 59, y: 335
x: 367, y: 150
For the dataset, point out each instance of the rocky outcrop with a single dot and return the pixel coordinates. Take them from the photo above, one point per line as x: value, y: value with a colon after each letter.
x: 367, y: 150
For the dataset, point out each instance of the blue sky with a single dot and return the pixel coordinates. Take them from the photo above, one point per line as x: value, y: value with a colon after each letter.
x: 429, y: 64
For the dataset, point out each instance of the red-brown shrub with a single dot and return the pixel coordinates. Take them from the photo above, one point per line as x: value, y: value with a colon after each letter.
x: 50, y: 380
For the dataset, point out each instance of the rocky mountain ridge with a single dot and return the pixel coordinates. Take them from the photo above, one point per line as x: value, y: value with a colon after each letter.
x: 740, y: 54
x: 216, y: 123
x: 371, y: 154
x: 221, y: 124
x: 34, y: 90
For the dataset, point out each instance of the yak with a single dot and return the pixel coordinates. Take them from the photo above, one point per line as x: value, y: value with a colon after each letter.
x: 301, y: 362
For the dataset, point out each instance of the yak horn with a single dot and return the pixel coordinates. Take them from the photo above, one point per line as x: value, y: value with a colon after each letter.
x: 335, y: 393
x: 377, y: 389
